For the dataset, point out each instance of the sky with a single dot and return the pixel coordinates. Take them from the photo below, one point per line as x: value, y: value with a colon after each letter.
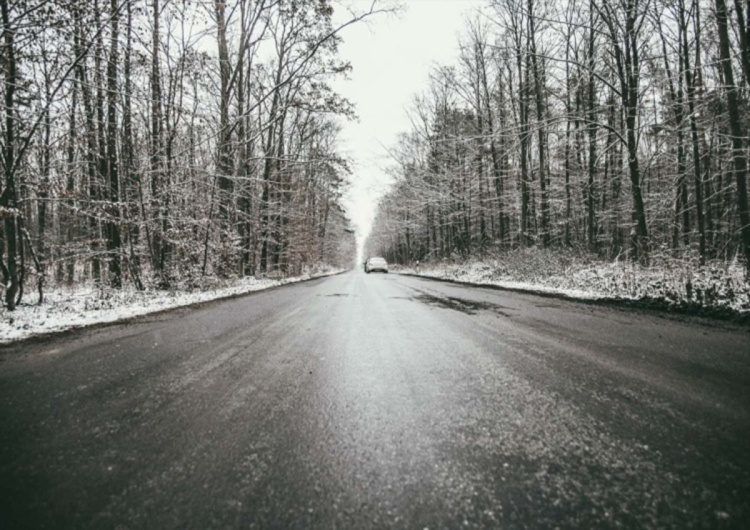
x: 391, y: 58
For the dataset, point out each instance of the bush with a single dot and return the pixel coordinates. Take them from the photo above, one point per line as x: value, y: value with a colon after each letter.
x: 666, y: 282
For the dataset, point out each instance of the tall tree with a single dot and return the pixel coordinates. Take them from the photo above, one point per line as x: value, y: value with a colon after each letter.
x: 739, y: 156
x: 625, y: 27
x: 112, y: 226
x: 8, y: 198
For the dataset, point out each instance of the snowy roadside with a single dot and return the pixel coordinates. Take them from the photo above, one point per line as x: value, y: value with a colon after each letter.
x: 711, y: 291
x: 65, y: 309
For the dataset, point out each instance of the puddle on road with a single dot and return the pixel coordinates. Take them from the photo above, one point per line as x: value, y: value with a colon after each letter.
x: 468, y: 307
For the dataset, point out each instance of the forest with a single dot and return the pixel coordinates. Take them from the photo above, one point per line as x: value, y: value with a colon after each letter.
x: 157, y: 143
x: 614, y: 130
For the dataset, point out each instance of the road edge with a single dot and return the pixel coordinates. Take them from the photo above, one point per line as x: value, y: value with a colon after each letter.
x: 661, y: 308
x: 41, y: 337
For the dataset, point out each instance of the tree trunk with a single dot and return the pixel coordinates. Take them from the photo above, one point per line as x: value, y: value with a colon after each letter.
x: 524, y: 138
x: 738, y: 148
x: 112, y: 229
x: 592, y: 132
x: 541, y: 133
x: 131, y: 182
x: 156, y: 157
x: 224, y: 163
x: 8, y: 197
x: 690, y: 79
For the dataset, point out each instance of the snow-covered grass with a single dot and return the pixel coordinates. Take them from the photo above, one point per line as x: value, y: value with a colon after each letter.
x: 672, y: 284
x: 84, y: 305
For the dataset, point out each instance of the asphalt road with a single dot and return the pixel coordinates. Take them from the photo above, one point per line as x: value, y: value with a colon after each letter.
x: 380, y: 401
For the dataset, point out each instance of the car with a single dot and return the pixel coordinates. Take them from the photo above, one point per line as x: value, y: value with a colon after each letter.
x: 376, y: 264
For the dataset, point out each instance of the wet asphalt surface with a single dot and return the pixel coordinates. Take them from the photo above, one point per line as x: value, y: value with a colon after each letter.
x: 380, y: 401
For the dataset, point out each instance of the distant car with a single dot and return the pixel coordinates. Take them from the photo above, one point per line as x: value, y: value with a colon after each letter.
x: 376, y: 264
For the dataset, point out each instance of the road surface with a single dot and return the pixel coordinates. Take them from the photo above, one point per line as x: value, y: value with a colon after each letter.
x: 380, y: 401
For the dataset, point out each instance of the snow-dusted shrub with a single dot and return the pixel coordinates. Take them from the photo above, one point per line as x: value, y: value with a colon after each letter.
x: 87, y: 304
x: 666, y: 282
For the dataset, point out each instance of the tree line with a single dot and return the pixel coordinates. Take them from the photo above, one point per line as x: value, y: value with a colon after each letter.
x: 615, y: 127
x: 160, y: 141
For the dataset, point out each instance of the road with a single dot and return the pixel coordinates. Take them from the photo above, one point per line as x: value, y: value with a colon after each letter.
x: 380, y: 401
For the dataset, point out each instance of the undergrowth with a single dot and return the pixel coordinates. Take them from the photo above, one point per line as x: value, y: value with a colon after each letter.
x: 668, y: 283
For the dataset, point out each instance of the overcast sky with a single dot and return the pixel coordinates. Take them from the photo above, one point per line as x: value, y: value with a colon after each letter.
x: 391, y: 57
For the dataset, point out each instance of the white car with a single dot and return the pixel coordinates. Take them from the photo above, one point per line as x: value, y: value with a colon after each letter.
x: 376, y: 264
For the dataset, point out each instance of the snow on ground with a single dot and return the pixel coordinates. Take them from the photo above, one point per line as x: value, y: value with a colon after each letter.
x: 66, y: 308
x: 678, y: 284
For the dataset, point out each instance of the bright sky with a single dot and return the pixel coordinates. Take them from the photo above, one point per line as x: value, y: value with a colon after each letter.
x: 391, y: 56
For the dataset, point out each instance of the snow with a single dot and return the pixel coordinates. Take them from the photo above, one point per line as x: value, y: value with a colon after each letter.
x: 722, y: 288
x: 672, y: 285
x: 81, y: 306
